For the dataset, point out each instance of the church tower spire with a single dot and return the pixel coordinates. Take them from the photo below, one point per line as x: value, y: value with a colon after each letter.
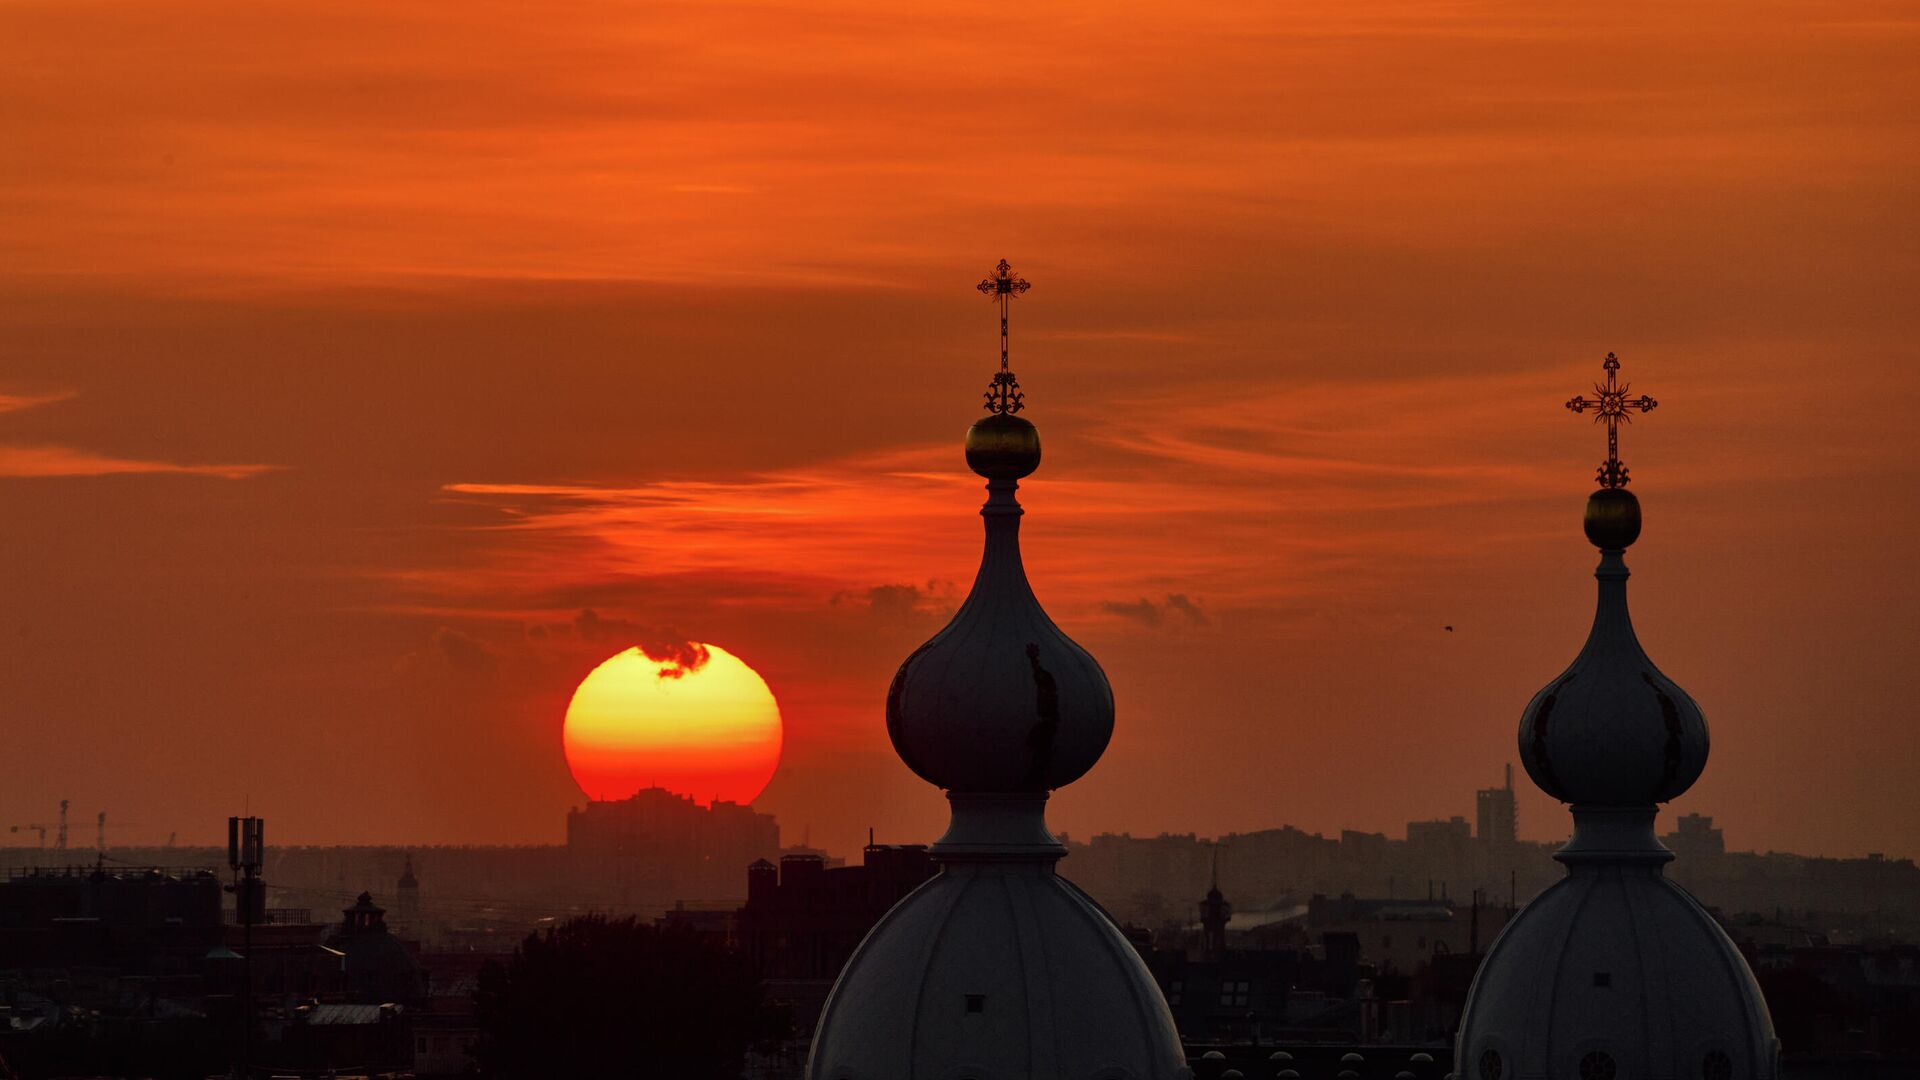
x: 1615, y: 971
x: 998, y: 967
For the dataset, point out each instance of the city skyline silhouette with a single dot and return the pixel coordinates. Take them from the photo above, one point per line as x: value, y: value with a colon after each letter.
x: 750, y: 540
x: 327, y: 497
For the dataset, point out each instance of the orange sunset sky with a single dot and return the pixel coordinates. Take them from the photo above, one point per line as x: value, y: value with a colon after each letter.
x: 370, y: 371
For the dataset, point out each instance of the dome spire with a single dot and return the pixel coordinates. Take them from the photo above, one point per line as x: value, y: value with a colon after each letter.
x: 998, y: 966
x: 1612, y: 735
x: 1001, y: 701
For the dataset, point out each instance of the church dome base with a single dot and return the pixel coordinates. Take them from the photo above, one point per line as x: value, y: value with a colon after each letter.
x: 996, y: 971
x: 1615, y: 973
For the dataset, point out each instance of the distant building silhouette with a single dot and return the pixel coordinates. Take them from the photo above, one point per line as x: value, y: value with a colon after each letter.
x: 1245, y: 995
x: 1214, y: 913
x: 1402, y: 936
x: 406, y: 900
x: 656, y: 848
x: 1266, y: 978
x: 380, y: 968
x: 1499, y: 814
x: 407, y: 891
x: 1442, y: 843
x: 1694, y: 837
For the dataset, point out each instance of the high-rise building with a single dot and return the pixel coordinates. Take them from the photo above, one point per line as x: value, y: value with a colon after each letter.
x: 1694, y: 836
x: 998, y: 967
x: 1499, y: 817
x: 1615, y: 971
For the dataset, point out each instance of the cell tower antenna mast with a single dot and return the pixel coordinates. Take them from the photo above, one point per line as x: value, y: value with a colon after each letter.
x: 60, y: 838
x: 246, y: 851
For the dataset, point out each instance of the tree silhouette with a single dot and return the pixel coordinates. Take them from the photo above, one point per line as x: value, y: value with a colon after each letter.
x: 598, y: 997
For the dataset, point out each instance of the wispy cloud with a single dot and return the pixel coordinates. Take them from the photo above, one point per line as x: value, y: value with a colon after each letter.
x: 1299, y: 491
x: 16, y: 402
x: 63, y: 461
x: 1178, y: 606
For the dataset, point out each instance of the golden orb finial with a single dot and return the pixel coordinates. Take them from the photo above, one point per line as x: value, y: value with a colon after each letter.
x: 1002, y: 446
x: 1613, y: 518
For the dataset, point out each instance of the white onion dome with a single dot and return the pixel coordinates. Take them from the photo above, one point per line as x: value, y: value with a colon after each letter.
x: 1612, y: 730
x: 1000, y: 700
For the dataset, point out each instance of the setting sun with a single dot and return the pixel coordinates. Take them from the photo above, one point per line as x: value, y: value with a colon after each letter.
x: 703, y: 725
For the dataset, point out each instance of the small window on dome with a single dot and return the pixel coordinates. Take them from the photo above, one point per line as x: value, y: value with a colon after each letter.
x: 1491, y: 1067
x: 1602, y: 980
x: 1716, y: 1066
x: 1597, y: 1065
x: 976, y: 1003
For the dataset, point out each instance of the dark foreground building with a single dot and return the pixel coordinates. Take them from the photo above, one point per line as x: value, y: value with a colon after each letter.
x: 139, y: 972
x: 803, y: 918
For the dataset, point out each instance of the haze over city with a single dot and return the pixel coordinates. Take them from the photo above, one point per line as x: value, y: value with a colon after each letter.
x: 371, y: 373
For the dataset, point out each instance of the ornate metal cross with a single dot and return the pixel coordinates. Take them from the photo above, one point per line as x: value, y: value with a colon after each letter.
x: 1612, y: 409
x: 1003, y: 395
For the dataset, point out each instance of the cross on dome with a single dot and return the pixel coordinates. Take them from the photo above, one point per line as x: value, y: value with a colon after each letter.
x: 1611, y: 408
x: 1003, y: 394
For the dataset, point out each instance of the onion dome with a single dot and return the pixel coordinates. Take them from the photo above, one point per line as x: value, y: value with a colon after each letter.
x: 1614, y: 972
x: 1612, y: 729
x: 997, y: 966
x: 1001, y: 700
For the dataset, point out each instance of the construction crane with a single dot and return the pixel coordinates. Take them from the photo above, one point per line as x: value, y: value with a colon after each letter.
x: 41, y: 829
x: 100, y: 824
x: 59, y: 830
